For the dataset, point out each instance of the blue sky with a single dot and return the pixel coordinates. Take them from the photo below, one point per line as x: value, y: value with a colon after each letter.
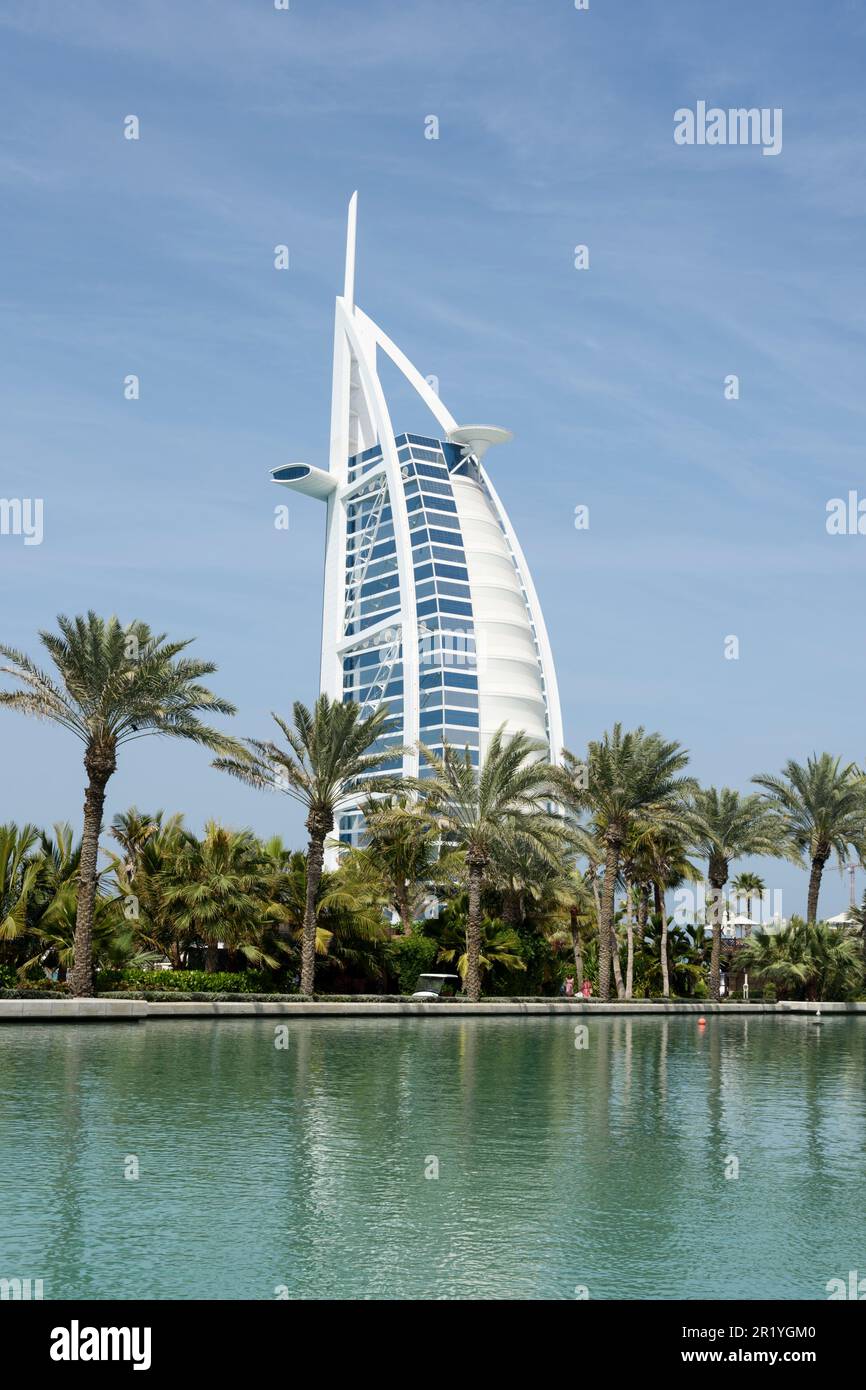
x: 155, y: 257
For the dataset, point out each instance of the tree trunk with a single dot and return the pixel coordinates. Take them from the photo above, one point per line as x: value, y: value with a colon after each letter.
x: 315, y: 860
x: 212, y: 958
x: 642, y: 911
x: 596, y: 896
x: 473, y: 929
x: 576, y: 948
x: 605, y: 926
x: 512, y: 908
x: 99, y: 769
x: 617, y: 964
x: 658, y: 894
x: 629, y: 923
x: 718, y: 879
x: 404, y: 910
x: 818, y: 862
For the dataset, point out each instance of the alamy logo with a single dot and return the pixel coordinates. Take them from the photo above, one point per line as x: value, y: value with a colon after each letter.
x: 22, y: 516
x: 846, y: 517
x: 737, y: 126
x: 20, y: 1289
x: 77, y: 1343
x: 854, y: 1288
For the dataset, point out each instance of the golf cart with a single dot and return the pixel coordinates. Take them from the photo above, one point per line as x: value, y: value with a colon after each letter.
x: 432, y: 987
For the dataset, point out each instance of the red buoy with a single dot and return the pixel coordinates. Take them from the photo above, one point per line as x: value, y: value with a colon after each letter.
x: 702, y: 1023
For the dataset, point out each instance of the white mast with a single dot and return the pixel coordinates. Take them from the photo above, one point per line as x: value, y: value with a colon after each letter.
x: 351, y: 235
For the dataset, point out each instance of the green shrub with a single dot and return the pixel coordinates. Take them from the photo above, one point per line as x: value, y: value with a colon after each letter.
x: 543, y: 971
x: 43, y: 990
x: 37, y: 985
x: 409, y: 957
x: 191, y: 982
x: 213, y: 996
x: 769, y: 994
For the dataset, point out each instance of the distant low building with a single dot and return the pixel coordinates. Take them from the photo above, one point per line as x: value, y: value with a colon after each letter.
x: 842, y: 919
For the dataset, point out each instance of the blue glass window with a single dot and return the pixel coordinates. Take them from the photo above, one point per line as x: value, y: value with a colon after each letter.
x: 430, y: 718
x: 452, y: 572
x: 454, y: 699
x: 460, y: 737
x: 462, y: 716
x: 378, y: 586
x: 452, y: 605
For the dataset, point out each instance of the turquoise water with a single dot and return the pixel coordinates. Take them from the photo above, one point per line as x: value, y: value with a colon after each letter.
x: 303, y: 1170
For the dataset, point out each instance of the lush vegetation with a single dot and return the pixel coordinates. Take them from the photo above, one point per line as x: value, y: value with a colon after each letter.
x: 515, y: 876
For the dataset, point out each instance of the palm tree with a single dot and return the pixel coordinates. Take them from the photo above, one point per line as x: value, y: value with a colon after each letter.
x: 405, y: 852
x: 626, y: 777
x: 113, y: 943
x: 685, y: 969
x: 350, y: 908
x: 215, y: 888
x: 34, y: 871
x: 499, y: 945
x: 726, y: 826
x: 133, y: 830
x: 543, y: 897
x: 150, y: 846
x: 858, y: 915
x: 660, y: 859
x: 590, y: 845
x: 824, y: 809
x: 748, y: 886
x: 581, y: 912
x: 532, y: 881
x: 631, y: 877
x: 59, y: 868
x: 116, y: 684
x: 19, y: 869
x: 479, y: 811
x: 52, y: 910
x: 812, y: 959
x: 330, y: 755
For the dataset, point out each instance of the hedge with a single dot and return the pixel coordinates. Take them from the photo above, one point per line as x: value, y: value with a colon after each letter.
x: 191, y: 982
x: 409, y: 957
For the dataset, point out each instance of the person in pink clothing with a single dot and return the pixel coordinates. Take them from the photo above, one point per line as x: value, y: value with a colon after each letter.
x: 569, y: 986
x: 587, y: 989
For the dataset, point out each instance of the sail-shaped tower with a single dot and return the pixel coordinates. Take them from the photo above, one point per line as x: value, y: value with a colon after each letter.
x: 429, y: 604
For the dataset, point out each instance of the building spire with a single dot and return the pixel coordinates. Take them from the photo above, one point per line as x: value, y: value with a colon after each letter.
x: 351, y: 230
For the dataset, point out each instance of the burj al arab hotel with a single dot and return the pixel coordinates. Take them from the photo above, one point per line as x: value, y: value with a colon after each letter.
x: 429, y: 604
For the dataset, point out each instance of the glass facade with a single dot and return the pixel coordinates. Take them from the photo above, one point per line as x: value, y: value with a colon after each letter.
x: 372, y: 666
